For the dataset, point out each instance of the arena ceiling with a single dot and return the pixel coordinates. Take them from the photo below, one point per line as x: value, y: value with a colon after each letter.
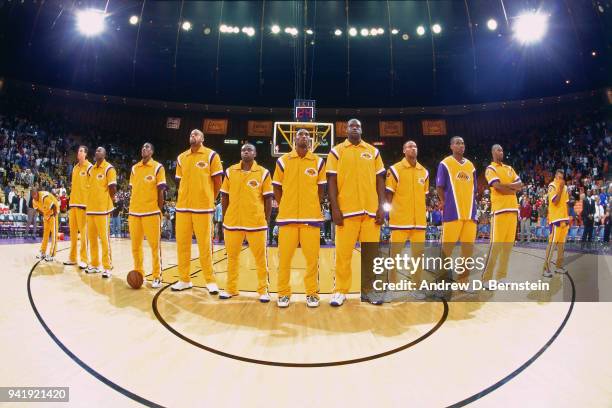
x: 466, y: 62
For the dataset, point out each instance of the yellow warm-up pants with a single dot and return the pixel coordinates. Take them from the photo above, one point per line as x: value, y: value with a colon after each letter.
x: 257, y: 245
x: 417, y: 248
x: 186, y: 225
x: 463, y: 231
x: 556, y: 239
x: 503, y: 235
x: 77, y: 221
x: 309, y: 238
x: 50, y: 228
x: 148, y: 226
x: 98, y: 228
x: 361, y: 228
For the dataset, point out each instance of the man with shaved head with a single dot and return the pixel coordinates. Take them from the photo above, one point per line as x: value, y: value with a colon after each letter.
x: 504, y: 184
x: 100, y: 199
x: 246, y: 201
x: 356, y: 189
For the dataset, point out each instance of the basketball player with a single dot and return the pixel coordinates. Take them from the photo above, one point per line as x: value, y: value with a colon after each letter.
x: 100, y: 199
x: 559, y: 223
x: 406, y: 187
x: 148, y: 183
x: 504, y: 184
x: 299, y: 181
x: 78, y: 204
x: 246, y: 202
x: 46, y: 203
x: 456, y: 188
x: 198, y: 173
x: 356, y: 183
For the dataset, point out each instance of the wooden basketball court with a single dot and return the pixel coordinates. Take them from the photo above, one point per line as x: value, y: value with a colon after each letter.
x: 115, y: 346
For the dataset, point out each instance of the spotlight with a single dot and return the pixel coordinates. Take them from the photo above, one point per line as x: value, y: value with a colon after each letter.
x: 492, y: 24
x: 365, y: 32
x: 90, y: 22
x: 275, y: 29
x: 250, y: 31
x: 380, y: 31
x: 436, y: 28
x: 338, y: 32
x: 530, y: 27
x: 394, y: 31
x: 223, y: 28
x: 405, y: 37
x: 373, y: 32
x: 186, y: 26
x: 567, y: 81
x: 352, y: 31
x: 291, y: 30
x: 421, y: 30
x: 309, y: 32
x: 594, y: 53
x: 235, y: 30
x: 134, y: 20
x: 207, y: 31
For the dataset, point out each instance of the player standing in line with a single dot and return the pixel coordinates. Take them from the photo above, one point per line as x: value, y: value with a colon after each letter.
x: 148, y: 183
x: 246, y: 201
x: 48, y: 206
x: 559, y: 223
x: 199, y: 175
x: 407, y: 185
x: 299, y: 181
x: 356, y: 183
x: 77, y: 217
x: 100, y: 199
x: 504, y: 184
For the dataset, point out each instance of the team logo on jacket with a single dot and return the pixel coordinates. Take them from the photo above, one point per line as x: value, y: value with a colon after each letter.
x: 509, y: 172
x: 82, y: 173
x: 367, y: 156
x: 310, y: 172
x: 463, y: 176
x: 201, y: 164
x: 421, y: 181
x: 100, y: 176
x: 253, y: 183
x: 149, y: 178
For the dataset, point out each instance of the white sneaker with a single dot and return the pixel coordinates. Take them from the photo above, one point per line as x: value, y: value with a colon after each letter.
x: 213, y: 289
x: 180, y: 285
x: 283, y: 301
x: 40, y: 255
x: 92, y: 269
x: 156, y: 283
x: 224, y: 295
x: 69, y: 263
x: 312, y: 301
x: 562, y: 271
x: 106, y: 273
x: 265, y: 298
x: 337, y: 299
x: 547, y: 274
x: 49, y: 258
x: 82, y: 265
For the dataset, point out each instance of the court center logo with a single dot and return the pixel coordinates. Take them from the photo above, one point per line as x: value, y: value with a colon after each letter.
x: 253, y: 183
x: 201, y: 164
x: 149, y: 178
x: 463, y: 176
x: 310, y: 172
x: 367, y: 156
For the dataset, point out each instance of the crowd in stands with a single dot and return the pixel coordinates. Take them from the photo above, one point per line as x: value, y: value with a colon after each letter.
x: 39, y: 151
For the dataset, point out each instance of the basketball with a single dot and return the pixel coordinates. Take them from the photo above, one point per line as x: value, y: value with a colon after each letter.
x: 135, y: 279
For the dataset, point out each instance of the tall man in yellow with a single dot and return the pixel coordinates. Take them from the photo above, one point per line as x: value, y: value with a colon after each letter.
x: 246, y: 202
x: 356, y: 189
x: 148, y: 183
x: 504, y: 184
x: 78, y: 204
x: 48, y: 206
x: 456, y: 187
x: 559, y: 222
x: 199, y: 174
x: 299, y: 181
x: 406, y: 187
x: 100, y: 198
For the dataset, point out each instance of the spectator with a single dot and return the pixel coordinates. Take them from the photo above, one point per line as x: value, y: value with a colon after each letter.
x: 116, y: 218
x: 588, y: 213
x: 543, y: 213
x: 32, y: 221
x: 525, y: 219
x: 20, y: 205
